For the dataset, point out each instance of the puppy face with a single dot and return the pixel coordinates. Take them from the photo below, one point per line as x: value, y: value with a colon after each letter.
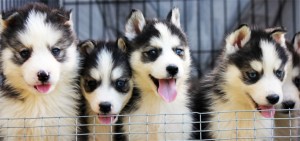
x: 257, y: 66
x: 106, y: 79
x: 291, y: 86
x: 38, y: 47
x: 159, y: 53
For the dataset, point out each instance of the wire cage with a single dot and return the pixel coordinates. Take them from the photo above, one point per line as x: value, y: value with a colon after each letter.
x: 206, y: 23
x: 249, y: 133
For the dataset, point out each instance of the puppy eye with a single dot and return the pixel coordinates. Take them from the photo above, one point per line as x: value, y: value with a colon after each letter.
x: 25, y: 54
x: 297, y: 81
x: 152, y: 53
x: 252, y: 75
x: 279, y: 73
x: 91, y: 85
x: 179, y: 51
x: 121, y: 85
x: 55, y: 51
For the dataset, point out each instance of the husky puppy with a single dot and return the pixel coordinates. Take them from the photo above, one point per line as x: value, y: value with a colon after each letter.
x: 291, y: 95
x: 107, y: 85
x: 249, y: 76
x: 160, y: 59
x: 40, y: 71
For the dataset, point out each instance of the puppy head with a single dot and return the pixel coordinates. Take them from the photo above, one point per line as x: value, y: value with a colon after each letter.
x: 106, y: 78
x: 38, y: 48
x: 159, y: 53
x: 257, y: 66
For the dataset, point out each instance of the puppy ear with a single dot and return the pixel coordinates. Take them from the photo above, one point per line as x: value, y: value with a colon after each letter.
x: 122, y: 45
x: 69, y: 21
x: 7, y: 18
x: 174, y: 17
x: 86, y: 47
x: 296, y: 42
x: 278, y: 36
x: 135, y: 24
x: 237, y: 39
x: 271, y: 29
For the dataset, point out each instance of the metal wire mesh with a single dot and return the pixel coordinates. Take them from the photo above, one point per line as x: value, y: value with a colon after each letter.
x: 210, y: 22
x: 206, y: 22
x: 250, y: 132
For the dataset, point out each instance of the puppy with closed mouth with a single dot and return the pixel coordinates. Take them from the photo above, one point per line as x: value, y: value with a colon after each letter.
x: 286, y: 117
x: 40, y: 71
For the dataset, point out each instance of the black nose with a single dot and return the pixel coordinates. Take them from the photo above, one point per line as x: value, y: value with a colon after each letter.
x: 43, y: 76
x: 273, y: 98
x: 172, y: 70
x: 288, y: 104
x: 105, y: 107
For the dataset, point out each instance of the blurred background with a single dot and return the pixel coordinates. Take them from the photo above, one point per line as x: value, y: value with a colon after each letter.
x: 206, y: 22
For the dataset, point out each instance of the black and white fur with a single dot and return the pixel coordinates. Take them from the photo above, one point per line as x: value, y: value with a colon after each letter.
x: 249, y: 76
x: 159, y: 53
x: 291, y: 95
x: 40, y: 70
x: 107, y: 85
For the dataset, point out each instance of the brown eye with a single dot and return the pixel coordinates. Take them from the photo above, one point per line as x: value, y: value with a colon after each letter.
x: 25, y: 54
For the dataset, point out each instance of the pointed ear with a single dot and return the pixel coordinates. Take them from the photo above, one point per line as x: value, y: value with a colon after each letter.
x: 278, y: 36
x: 86, y: 47
x: 69, y: 20
x: 174, y: 17
x: 135, y: 24
x: 238, y: 39
x: 122, y: 45
x: 296, y: 42
x: 2, y: 25
x: 6, y: 19
x: 272, y: 29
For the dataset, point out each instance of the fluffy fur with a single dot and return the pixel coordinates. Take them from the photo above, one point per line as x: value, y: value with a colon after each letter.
x: 39, y: 66
x: 251, y: 68
x: 291, y: 100
x: 107, y: 85
x: 153, y: 46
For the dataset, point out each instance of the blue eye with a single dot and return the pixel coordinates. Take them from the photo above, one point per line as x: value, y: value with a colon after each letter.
x: 179, y: 51
x: 120, y: 83
x: 252, y: 74
x: 122, y: 86
x: 55, y: 51
x: 279, y: 73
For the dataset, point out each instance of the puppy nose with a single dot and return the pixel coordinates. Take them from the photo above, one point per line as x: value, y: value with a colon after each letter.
x: 288, y: 104
x: 273, y: 98
x: 43, y: 76
x: 105, y: 107
x: 172, y: 70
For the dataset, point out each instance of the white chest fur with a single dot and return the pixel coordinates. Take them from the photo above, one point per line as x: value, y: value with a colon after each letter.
x: 165, y: 121
x: 40, y: 117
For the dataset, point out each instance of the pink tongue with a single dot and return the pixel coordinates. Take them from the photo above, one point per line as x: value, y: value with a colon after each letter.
x: 267, y: 111
x: 106, y: 119
x: 44, y: 88
x: 167, y: 89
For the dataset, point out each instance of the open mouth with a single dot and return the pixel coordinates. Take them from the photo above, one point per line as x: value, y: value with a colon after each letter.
x: 267, y: 111
x: 166, y: 88
x: 43, y: 88
x: 107, y: 118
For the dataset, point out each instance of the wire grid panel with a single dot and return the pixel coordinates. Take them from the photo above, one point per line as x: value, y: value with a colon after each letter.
x: 284, y: 126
